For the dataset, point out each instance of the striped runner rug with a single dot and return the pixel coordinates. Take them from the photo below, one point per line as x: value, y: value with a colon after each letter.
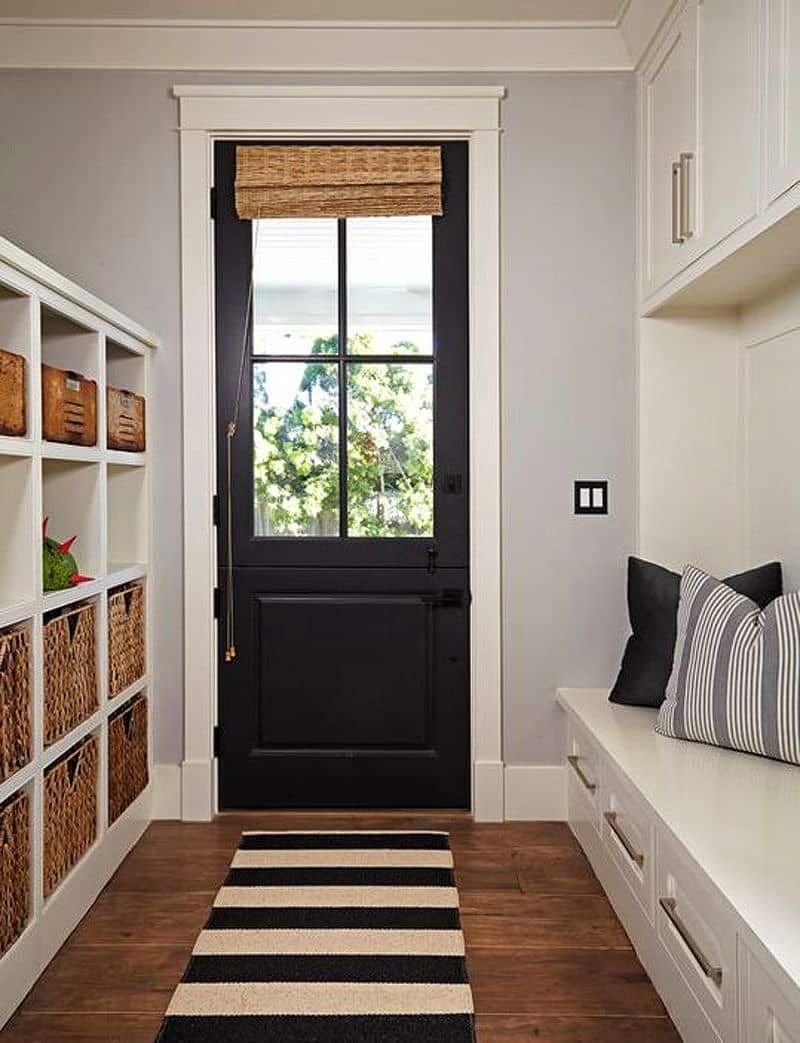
x: 329, y: 937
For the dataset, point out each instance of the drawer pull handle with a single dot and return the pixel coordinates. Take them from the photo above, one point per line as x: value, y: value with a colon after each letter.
x: 669, y: 906
x: 574, y: 761
x: 635, y: 856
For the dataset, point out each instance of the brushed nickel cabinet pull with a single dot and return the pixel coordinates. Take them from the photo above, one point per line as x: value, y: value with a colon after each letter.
x: 685, y: 231
x: 573, y: 760
x: 612, y: 818
x: 676, y: 203
x: 669, y: 905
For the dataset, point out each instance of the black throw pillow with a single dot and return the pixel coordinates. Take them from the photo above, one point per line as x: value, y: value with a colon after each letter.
x: 653, y: 595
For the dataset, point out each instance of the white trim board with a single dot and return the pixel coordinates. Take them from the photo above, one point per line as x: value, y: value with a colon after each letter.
x: 207, y: 114
x: 535, y: 793
x: 314, y: 46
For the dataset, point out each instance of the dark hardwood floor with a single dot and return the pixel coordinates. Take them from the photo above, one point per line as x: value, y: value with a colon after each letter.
x: 548, y: 960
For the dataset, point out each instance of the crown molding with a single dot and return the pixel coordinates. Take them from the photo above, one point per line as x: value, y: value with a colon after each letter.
x: 150, y: 44
x: 639, y: 22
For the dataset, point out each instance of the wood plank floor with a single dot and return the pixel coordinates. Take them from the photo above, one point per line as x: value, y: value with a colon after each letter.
x: 548, y: 960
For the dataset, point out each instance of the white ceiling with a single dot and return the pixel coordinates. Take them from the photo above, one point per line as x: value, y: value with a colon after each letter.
x: 559, y: 11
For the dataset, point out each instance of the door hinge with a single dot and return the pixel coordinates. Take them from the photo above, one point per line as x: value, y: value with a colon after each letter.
x: 217, y: 740
x: 216, y: 602
x: 212, y: 202
x: 215, y: 510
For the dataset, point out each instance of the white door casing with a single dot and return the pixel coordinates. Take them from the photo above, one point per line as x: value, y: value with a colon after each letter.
x: 208, y: 113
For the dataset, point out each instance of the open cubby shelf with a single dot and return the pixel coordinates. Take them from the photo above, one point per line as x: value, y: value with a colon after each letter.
x: 103, y: 497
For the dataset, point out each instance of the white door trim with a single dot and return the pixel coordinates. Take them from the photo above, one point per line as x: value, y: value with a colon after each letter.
x: 207, y: 114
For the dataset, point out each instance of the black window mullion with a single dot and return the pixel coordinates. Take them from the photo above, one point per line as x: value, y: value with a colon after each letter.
x: 342, y: 303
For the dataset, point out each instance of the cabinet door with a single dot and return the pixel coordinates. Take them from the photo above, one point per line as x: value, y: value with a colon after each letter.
x: 670, y: 130
x: 728, y: 162
x: 769, y: 1013
x: 783, y: 96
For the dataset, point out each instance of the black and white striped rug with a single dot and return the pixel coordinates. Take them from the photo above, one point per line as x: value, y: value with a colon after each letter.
x: 329, y: 938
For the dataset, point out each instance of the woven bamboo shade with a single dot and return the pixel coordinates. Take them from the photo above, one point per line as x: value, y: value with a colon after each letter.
x: 337, y: 180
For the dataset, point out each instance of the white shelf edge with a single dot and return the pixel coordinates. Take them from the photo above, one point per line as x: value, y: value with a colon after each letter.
x: 114, y: 702
x: 119, y: 458
x: 88, y: 454
x: 18, y: 781
x: 124, y: 572
x: 17, y: 612
x: 61, y: 598
x: 63, y: 745
x: 11, y: 446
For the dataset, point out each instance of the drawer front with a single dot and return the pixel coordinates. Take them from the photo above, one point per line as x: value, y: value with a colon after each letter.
x: 584, y: 770
x: 629, y: 838
x: 698, y: 933
x: 769, y: 1013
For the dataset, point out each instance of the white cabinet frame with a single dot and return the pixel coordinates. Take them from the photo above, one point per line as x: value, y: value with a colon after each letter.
x: 210, y: 113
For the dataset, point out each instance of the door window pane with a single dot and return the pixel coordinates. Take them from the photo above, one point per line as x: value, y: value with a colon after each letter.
x: 296, y: 448
x: 295, y: 278
x: 390, y: 285
x: 390, y: 449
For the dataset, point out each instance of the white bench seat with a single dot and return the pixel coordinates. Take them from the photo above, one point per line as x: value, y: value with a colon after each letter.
x: 699, y: 851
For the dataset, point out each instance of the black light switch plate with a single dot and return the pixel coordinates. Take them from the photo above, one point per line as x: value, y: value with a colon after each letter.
x: 591, y: 497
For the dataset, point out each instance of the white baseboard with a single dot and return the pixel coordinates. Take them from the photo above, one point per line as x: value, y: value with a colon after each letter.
x: 487, y: 801
x: 166, y: 791
x: 535, y: 792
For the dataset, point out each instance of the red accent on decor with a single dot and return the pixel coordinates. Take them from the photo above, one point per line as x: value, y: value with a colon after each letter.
x: 76, y: 578
x: 63, y: 548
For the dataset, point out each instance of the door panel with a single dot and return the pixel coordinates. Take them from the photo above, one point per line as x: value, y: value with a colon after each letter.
x: 349, y: 505
x: 670, y: 130
x: 783, y: 96
x: 376, y: 686
x: 728, y: 167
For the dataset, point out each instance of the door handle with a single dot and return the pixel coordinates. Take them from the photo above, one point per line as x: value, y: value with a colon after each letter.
x: 685, y: 222
x: 669, y: 905
x: 444, y: 599
x: 576, y: 767
x: 676, y: 203
x: 612, y: 818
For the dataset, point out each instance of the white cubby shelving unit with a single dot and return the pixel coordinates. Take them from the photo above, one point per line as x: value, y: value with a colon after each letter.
x: 103, y: 496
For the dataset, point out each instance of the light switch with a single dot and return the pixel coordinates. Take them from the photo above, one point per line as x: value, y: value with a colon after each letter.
x: 591, y: 497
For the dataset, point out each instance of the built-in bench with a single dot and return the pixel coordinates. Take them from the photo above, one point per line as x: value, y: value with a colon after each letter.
x: 698, y: 849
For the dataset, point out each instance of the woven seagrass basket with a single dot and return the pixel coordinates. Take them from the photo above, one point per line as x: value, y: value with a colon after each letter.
x: 126, y: 637
x: 15, y: 869
x: 70, y: 811
x: 70, y: 671
x: 127, y: 756
x: 15, y: 701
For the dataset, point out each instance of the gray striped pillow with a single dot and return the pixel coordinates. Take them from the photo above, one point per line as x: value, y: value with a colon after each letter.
x: 736, y: 675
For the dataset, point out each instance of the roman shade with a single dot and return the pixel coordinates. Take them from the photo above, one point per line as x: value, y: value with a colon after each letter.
x: 337, y: 181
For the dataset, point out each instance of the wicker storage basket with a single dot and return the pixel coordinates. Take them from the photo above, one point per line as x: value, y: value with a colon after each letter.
x: 125, y: 412
x: 12, y: 394
x: 15, y: 869
x: 126, y: 641
x: 70, y: 671
x: 15, y: 700
x: 69, y: 407
x: 127, y: 756
x: 70, y: 811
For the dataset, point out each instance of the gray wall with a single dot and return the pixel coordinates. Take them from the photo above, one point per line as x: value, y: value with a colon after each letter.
x: 89, y: 183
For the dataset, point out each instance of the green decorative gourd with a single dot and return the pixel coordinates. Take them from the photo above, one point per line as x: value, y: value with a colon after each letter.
x: 59, y: 568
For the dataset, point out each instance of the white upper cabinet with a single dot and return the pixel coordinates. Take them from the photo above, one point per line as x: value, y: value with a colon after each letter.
x: 728, y: 160
x: 669, y: 104
x: 700, y: 134
x: 783, y: 96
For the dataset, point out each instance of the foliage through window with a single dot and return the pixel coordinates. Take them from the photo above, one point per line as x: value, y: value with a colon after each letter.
x: 343, y: 440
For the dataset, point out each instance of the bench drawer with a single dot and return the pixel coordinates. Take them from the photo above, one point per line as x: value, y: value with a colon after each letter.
x: 584, y: 771
x: 629, y: 838
x: 768, y: 1015
x: 698, y: 933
